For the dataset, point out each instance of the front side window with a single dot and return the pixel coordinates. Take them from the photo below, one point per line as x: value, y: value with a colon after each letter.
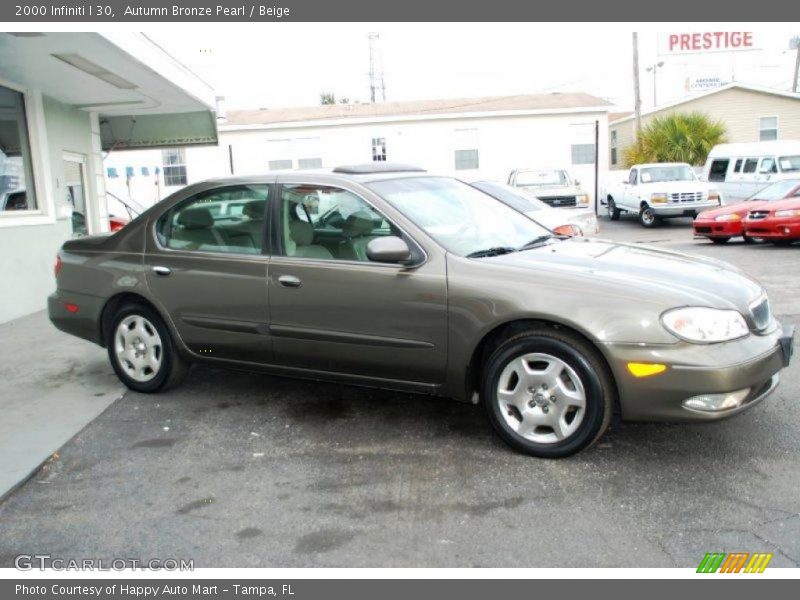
x: 768, y: 129
x: 789, y: 163
x: 768, y: 165
x: 228, y: 220
x: 329, y: 223
x: 459, y: 217
x: 632, y: 177
x: 174, y: 160
x: 16, y: 169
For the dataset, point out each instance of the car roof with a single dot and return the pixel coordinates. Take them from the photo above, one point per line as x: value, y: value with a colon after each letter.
x: 360, y: 173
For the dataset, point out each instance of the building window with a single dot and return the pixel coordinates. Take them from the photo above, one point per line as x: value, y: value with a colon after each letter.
x: 112, y: 173
x: 309, y: 163
x: 145, y: 171
x: 16, y: 170
x: 379, y: 149
x: 280, y: 164
x: 767, y: 129
x: 467, y: 159
x: 614, y: 147
x: 582, y: 154
x: 174, y: 160
x: 129, y: 172
x: 614, y: 156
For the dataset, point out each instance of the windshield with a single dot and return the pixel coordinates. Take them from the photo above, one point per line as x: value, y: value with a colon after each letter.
x: 546, y: 178
x: 777, y: 191
x: 462, y: 219
x: 521, y: 200
x: 789, y: 163
x: 667, y: 173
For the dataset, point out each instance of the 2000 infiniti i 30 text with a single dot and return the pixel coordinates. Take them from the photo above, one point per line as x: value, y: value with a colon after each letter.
x: 386, y: 276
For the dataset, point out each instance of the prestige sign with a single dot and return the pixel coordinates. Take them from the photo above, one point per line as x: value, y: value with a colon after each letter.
x: 706, y: 41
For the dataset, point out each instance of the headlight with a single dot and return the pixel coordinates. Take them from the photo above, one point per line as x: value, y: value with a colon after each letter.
x: 730, y: 217
x: 582, y: 199
x: 788, y: 213
x: 658, y: 198
x: 704, y: 325
x: 713, y: 196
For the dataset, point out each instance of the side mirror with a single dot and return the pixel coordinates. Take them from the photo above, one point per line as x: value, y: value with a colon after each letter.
x: 390, y: 249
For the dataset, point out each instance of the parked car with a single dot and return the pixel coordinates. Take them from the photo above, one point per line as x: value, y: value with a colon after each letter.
x: 581, y: 221
x: 742, y: 169
x: 776, y: 222
x: 660, y: 191
x: 14, y: 200
x: 554, y: 187
x: 721, y: 224
x: 453, y: 294
x: 121, y: 212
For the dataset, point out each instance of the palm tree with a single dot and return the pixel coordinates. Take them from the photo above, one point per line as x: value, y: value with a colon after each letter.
x: 680, y: 137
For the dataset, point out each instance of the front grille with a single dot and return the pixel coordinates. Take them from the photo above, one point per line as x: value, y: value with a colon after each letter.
x: 758, y: 214
x: 678, y: 197
x: 761, y: 314
x: 703, y: 229
x: 559, y: 200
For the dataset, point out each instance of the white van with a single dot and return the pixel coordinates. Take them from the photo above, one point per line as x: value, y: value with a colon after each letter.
x: 740, y: 170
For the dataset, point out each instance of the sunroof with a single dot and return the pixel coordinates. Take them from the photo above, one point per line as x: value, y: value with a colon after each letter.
x: 378, y: 167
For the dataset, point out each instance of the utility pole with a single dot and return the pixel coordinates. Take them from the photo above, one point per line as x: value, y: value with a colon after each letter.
x: 654, y: 68
x: 376, y: 82
x: 795, y: 43
x: 637, y: 99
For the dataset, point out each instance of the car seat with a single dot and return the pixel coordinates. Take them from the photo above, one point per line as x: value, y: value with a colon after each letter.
x: 357, y: 232
x: 302, y: 234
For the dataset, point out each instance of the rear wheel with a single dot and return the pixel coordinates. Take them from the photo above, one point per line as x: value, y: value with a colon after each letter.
x: 142, y: 352
x: 613, y: 211
x: 720, y: 240
x: 752, y: 240
x: 647, y: 217
x: 547, y: 393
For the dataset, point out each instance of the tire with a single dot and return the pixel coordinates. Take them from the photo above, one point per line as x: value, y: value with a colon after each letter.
x: 147, y: 337
x: 613, y: 211
x: 521, y: 414
x: 783, y: 242
x: 752, y: 240
x: 647, y: 217
x: 720, y: 240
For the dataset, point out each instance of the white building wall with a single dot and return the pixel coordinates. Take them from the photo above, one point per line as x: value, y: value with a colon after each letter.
x: 504, y: 143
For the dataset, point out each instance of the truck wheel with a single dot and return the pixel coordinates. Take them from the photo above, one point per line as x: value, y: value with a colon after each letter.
x: 613, y: 211
x: 142, y: 352
x: 647, y: 217
x: 547, y: 393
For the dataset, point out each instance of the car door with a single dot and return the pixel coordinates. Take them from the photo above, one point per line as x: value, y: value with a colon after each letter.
x: 631, y: 193
x: 205, y: 264
x: 333, y: 310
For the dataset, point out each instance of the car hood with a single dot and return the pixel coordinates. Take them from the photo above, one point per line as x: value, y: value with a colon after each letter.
x: 787, y: 204
x: 674, y: 187
x: 662, y: 277
x: 740, y: 208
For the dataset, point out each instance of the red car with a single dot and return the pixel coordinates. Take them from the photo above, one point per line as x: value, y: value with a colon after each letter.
x: 778, y: 222
x: 721, y: 224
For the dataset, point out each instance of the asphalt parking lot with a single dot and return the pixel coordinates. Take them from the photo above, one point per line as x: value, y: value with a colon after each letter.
x: 237, y: 470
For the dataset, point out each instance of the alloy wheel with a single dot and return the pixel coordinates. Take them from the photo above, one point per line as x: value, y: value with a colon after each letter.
x: 138, y: 348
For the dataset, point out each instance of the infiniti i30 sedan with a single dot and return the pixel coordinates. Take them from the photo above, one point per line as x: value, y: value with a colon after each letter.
x: 387, y: 276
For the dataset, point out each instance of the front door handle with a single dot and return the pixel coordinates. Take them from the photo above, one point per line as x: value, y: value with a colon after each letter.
x: 162, y: 271
x: 290, y: 281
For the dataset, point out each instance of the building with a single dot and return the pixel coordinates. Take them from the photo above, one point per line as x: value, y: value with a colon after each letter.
x: 750, y: 114
x: 65, y: 100
x: 470, y: 138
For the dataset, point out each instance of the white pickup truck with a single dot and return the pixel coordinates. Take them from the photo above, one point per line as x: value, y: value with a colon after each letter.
x: 660, y: 191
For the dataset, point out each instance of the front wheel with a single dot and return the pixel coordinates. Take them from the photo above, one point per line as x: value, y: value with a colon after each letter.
x: 142, y: 352
x: 647, y: 217
x: 613, y: 211
x: 547, y: 393
x: 720, y: 240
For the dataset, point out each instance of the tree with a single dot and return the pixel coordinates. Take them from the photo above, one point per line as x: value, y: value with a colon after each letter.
x: 327, y: 98
x: 680, y: 137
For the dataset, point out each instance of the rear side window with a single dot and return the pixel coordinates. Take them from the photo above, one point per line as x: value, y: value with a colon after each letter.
x: 228, y: 220
x: 750, y: 165
x: 718, y: 170
x: 738, y: 167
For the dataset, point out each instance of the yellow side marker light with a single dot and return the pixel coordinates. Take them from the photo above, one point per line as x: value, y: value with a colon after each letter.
x: 645, y: 369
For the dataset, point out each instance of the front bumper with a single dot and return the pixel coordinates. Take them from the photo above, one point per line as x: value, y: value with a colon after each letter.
x: 775, y: 228
x: 694, y: 369
x: 711, y: 228
x: 682, y: 209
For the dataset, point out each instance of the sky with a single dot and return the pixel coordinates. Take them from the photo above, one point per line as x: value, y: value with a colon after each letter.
x: 290, y: 64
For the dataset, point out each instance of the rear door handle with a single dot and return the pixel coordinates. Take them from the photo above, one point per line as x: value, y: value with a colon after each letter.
x: 290, y: 281
x: 163, y: 271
